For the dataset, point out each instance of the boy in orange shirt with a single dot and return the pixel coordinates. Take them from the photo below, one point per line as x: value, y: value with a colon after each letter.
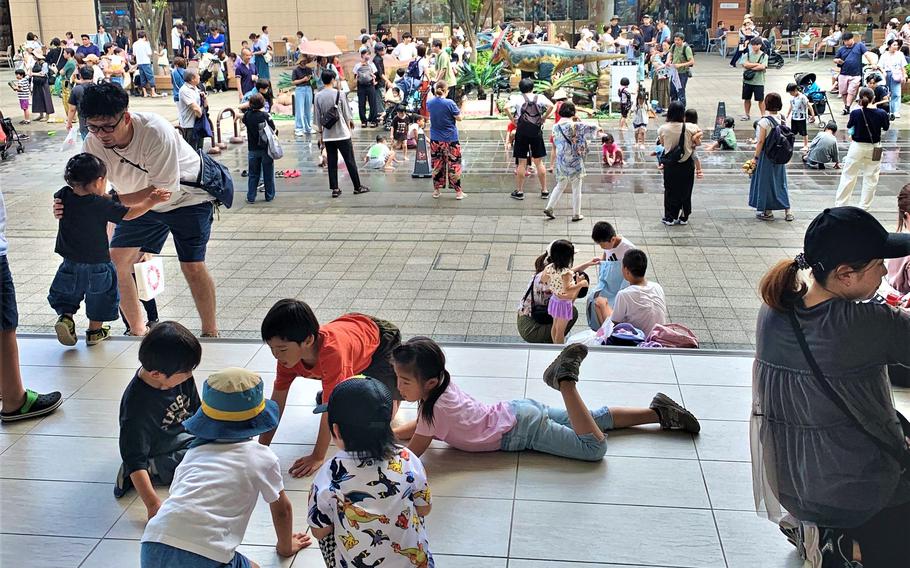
x: 351, y: 345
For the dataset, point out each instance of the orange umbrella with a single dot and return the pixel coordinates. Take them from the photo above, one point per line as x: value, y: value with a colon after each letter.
x: 319, y: 48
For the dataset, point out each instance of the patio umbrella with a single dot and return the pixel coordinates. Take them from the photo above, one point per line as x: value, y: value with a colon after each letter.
x: 319, y: 47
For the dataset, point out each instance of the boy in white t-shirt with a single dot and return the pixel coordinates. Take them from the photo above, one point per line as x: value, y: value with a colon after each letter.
x: 218, y: 483
x: 642, y: 303
x: 610, y: 278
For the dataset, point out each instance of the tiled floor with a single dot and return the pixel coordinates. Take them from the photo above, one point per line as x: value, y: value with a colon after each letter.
x: 658, y: 499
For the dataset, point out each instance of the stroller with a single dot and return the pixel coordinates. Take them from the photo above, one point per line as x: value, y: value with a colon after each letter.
x: 817, y: 98
x: 775, y: 59
x: 10, y: 137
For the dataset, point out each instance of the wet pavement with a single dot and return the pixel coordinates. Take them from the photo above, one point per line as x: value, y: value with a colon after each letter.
x: 456, y: 270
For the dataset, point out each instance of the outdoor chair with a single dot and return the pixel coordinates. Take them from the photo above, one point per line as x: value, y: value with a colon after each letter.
x: 711, y: 42
x: 6, y: 57
x: 731, y: 43
x: 808, y: 50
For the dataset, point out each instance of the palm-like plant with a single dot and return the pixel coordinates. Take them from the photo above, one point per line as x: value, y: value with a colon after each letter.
x: 571, y: 81
x: 481, y: 77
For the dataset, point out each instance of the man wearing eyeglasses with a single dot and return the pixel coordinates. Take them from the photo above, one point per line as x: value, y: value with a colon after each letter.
x: 143, y: 150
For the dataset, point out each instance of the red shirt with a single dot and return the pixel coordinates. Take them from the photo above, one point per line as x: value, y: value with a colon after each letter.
x: 346, y: 348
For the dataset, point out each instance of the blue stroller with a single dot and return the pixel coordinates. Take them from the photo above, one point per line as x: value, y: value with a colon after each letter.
x: 817, y: 97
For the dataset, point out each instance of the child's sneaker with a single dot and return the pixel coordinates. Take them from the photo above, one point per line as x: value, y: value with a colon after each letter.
x: 66, y: 330
x: 96, y: 336
x: 122, y: 484
x: 672, y: 415
x: 566, y: 365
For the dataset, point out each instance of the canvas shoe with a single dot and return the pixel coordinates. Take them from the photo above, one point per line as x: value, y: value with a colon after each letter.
x: 96, y: 336
x: 672, y: 416
x: 66, y: 330
x: 566, y: 365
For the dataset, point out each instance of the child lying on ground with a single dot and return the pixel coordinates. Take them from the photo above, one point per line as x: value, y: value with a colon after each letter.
x: 447, y: 413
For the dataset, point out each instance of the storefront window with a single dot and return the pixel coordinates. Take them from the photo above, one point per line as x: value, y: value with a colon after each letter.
x: 114, y: 16
x: 393, y: 14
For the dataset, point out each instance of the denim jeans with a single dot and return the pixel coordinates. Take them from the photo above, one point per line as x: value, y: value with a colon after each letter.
x: 261, y: 164
x: 96, y: 283
x: 544, y: 429
x: 680, y: 93
x: 157, y: 555
x: 894, y: 105
x: 303, y: 109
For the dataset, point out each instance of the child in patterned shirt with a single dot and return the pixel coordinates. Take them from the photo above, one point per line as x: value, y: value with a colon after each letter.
x: 368, y: 503
x: 23, y: 89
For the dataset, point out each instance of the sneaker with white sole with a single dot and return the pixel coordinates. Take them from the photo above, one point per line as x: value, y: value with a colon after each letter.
x: 66, y: 331
x: 123, y: 483
x: 566, y: 366
x: 672, y: 415
x: 519, y: 195
x: 549, y: 213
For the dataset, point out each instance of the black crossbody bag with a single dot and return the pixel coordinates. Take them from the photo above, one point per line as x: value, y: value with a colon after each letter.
x: 538, y: 313
x: 902, y: 456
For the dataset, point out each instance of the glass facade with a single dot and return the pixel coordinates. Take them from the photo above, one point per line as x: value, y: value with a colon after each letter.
x: 198, y: 15
x: 792, y: 16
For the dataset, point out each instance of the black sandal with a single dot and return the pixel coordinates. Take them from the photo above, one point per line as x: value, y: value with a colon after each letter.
x: 336, y: 193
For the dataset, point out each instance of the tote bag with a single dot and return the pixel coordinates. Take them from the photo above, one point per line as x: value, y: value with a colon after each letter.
x: 149, y: 278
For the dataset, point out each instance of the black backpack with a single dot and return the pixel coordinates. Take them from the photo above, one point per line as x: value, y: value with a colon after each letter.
x: 331, y: 116
x: 779, y: 143
x: 414, y: 69
x: 530, y: 118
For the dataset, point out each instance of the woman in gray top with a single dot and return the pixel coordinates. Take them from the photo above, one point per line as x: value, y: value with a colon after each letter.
x: 809, y: 458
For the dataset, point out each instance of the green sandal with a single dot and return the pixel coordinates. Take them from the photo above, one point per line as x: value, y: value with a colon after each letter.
x: 35, y: 405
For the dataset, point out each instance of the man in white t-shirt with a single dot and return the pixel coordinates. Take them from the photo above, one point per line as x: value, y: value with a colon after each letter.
x: 642, y: 303
x: 143, y: 151
x: 529, y: 111
x: 406, y: 50
x: 189, y: 107
x: 177, y: 38
x: 142, y: 51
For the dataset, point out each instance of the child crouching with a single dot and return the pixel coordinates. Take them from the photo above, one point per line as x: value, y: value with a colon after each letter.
x: 372, y: 497
x: 219, y: 482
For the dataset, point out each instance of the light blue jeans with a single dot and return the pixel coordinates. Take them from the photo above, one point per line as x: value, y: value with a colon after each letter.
x: 157, y: 555
x: 544, y: 429
x: 303, y: 109
x: 895, y: 103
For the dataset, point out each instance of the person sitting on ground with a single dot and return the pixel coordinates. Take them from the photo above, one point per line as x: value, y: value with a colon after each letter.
x: 332, y: 353
x: 82, y: 241
x: 611, y: 154
x: 561, y: 277
x: 161, y: 395
x: 447, y: 413
x: 379, y: 156
x: 727, y: 139
x: 220, y: 481
x: 823, y: 149
x: 610, y: 279
x: 359, y: 414
x: 642, y: 303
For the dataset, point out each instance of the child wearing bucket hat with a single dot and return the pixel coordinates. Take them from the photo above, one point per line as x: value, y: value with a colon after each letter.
x: 330, y: 353
x: 218, y: 484
x: 827, y: 443
x: 372, y: 497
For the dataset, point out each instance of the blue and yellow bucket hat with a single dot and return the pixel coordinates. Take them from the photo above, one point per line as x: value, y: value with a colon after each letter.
x: 233, y: 407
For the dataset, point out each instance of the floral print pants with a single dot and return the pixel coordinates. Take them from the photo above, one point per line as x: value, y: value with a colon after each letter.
x: 446, y: 160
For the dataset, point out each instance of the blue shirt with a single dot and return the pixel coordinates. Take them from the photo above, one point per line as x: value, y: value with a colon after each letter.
x: 665, y: 35
x: 853, y: 59
x: 868, y: 128
x: 216, y: 39
x: 177, y: 81
x: 245, y: 73
x: 90, y: 49
x: 442, y: 119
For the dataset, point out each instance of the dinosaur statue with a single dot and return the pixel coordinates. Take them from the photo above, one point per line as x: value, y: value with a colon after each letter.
x: 542, y: 59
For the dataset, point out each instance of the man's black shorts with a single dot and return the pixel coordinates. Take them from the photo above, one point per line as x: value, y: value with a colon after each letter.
x: 525, y: 145
x: 756, y: 91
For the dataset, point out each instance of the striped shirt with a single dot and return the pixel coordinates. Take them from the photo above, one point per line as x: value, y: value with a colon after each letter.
x: 24, y: 88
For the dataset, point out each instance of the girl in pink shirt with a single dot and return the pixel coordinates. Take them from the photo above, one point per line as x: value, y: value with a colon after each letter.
x: 447, y: 413
x: 612, y: 155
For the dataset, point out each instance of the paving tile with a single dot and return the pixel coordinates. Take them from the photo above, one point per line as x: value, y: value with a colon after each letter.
x: 44, y: 551
x: 470, y: 362
x: 713, y: 370
x: 645, y: 535
x: 62, y: 458
x: 750, y: 541
x: 650, y: 442
x: 616, y: 480
x: 453, y: 473
x: 721, y: 440
x: 49, y: 352
x: 514, y: 563
x: 718, y: 403
x: 77, y: 417
x: 729, y: 485
x: 215, y: 356
x: 611, y: 365
x: 601, y: 393
x: 58, y: 508
x: 67, y: 380
x: 477, y: 527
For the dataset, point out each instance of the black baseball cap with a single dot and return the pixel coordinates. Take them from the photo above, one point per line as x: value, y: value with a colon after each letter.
x: 850, y: 235
x: 360, y: 401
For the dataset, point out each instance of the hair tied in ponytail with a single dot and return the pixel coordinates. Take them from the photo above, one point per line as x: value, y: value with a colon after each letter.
x: 800, y: 262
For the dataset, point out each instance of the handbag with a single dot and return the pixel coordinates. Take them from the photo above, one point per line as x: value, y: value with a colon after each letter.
x: 902, y: 456
x: 149, y: 277
x: 876, y: 149
x: 675, y: 155
x: 538, y: 313
x: 748, y: 75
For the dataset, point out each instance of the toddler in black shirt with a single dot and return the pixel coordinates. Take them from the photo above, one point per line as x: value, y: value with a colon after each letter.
x: 400, y: 123
x: 86, y: 271
x: 154, y: 405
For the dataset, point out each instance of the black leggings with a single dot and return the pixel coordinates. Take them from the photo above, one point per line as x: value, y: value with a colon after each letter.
x: 885, y: 538
x: 151, y: 311
x: 678, y: 181
x: 346, y: 148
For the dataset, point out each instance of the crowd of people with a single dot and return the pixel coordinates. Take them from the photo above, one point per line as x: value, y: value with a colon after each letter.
x: 205, y: 448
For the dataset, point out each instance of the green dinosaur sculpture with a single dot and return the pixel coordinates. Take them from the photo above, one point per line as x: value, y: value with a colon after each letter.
x: 544, y: 60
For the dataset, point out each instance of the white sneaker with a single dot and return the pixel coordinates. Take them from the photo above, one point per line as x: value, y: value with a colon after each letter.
x: 897, y: 115
x: 298, y: 133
